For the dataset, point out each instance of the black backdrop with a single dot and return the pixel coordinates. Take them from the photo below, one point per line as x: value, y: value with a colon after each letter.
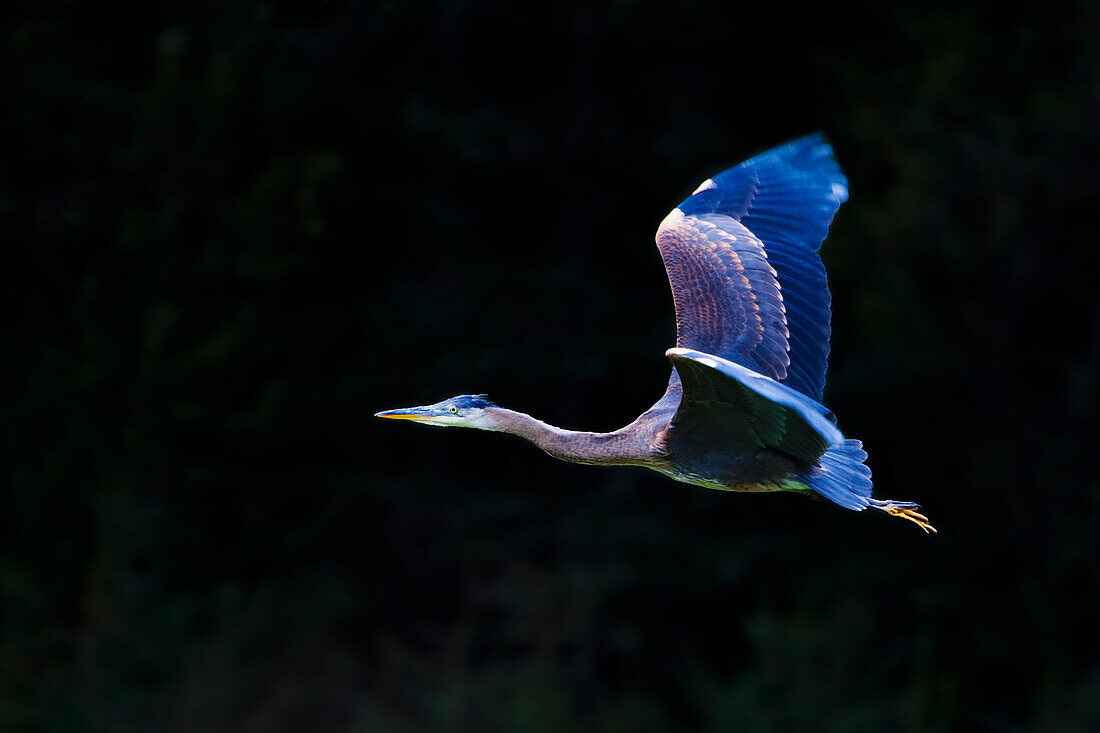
x: 234, y: 231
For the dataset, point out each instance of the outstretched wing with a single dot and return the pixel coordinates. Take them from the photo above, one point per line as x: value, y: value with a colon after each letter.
x: 723, y: 402
x: 775, y: 207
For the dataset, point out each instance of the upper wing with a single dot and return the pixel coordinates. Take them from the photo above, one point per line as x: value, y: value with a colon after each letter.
x: 726, y: 294
x: 723, y: 400
x: 784, y: 200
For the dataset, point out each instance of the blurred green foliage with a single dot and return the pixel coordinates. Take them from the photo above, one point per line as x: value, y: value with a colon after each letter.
x: 234, y: 231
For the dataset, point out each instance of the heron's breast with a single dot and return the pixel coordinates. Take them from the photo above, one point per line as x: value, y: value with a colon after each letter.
x: 723, y: 483
x: 759, y: 470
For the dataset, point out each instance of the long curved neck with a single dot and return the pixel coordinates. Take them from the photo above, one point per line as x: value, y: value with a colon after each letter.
x: 626, y: 446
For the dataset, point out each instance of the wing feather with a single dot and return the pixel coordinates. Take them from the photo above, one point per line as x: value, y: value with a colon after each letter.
x: 786, y: 198
x: 738, y: 401
x: 727, y: 297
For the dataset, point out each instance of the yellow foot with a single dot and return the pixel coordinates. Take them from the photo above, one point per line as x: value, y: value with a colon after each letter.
x: 905, y: 510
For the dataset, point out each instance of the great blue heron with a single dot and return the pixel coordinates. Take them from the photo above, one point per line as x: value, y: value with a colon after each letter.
x: 742, y: 411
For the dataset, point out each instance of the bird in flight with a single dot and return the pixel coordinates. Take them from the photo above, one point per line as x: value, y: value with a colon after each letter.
x: 742, y: 411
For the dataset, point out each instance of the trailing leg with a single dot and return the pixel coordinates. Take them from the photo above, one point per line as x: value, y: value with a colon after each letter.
x: 903, y: 509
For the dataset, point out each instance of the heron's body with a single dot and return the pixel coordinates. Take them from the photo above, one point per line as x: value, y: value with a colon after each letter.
x: 742, y: 411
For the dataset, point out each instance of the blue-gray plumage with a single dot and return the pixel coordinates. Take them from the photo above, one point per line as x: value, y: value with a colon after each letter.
x: 742, y: 411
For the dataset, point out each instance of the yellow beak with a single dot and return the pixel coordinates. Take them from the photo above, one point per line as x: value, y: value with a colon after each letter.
x: 414, y: 414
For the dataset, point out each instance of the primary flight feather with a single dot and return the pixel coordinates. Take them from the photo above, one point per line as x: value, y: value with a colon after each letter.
x: 742, y: 411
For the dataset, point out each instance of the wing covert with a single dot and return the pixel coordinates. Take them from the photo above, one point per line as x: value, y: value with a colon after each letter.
x: 726, y: 293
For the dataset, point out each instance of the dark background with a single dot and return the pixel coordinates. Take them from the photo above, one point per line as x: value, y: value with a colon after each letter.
x: 232, y: 232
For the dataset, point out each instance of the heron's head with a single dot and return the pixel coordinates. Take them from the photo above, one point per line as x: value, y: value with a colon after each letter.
x: 464, y: 411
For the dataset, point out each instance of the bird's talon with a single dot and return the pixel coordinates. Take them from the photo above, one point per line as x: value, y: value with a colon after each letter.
x: 911, y: 514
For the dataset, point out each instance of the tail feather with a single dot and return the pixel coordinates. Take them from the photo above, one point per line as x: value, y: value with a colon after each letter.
x: 842, y: 477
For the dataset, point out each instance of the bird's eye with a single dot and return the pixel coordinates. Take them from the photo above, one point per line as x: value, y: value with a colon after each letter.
x: 454, y: 410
